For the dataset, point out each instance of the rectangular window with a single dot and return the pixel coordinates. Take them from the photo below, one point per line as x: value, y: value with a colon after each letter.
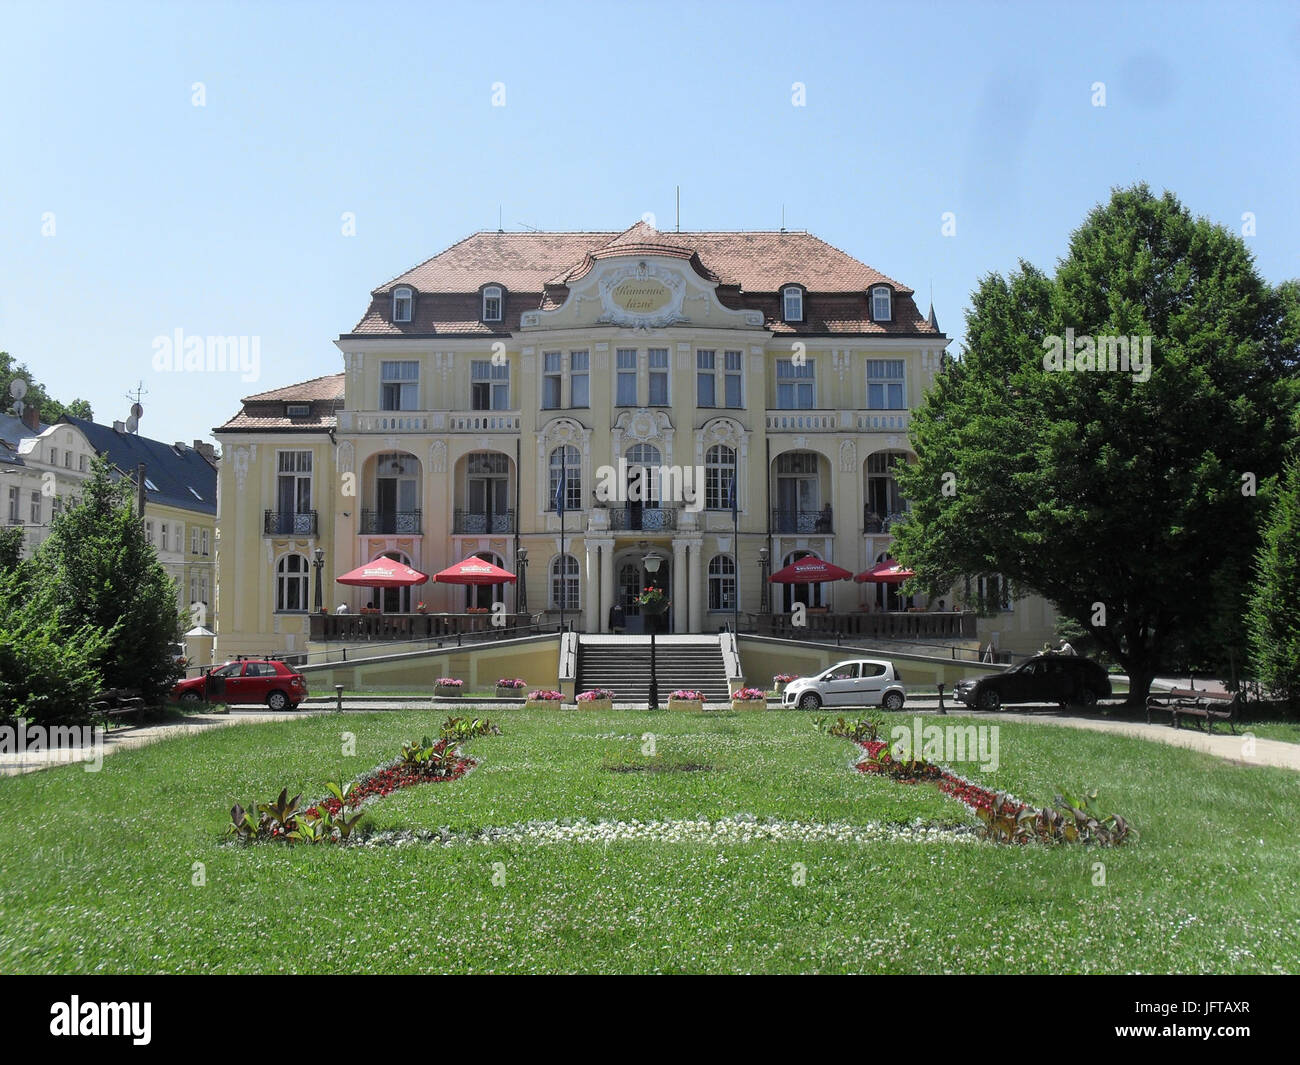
x: 399, y: 385
x: 732, y: 368
x: 552, y: 380
x: 795, y: 385
x: 705, y: 382
x: 298, y: 410
x: 36, y: 508
x: 489, y: 385
x: 162, y: 536
x: 85, y: 464
x: 626, y: 377
x: 54, y: 456
x: 14, y: 518
x: 885, y: 384
x: 579, y: 379
x: 148, y: 532
x: 203, y: 540
x: 194, y: 541
x: 659, y: 377
x: 293, y: 490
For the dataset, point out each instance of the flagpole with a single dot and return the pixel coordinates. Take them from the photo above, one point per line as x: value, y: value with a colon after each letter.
x: 735, y: 590
x: 564, y: 566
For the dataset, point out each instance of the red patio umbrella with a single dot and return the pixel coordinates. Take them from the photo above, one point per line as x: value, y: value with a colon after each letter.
x: 384, y: 573
x: 887, y: 572
x: 809, y: 570
x: 474, y: 570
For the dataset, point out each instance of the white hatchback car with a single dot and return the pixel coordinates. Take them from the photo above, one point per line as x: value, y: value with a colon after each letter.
x: 858, y: 682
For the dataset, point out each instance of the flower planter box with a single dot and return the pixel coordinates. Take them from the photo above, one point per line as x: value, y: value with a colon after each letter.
x: 595, y: 704
x: 693, y: 706
x: 546, y: 704
x: 511, y: 693
x: 446, y: 693
x: 748, y: 704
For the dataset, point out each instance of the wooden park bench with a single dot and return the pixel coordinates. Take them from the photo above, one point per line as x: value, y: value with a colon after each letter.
x: 1189, y: 702
x: 117, y: 703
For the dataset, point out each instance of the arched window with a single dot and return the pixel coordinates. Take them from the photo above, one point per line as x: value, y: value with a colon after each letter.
x: 291, y: 583
x: 643, y: 466
x: 792, y: 303
x: 881, y: 304
x: 885, y: 504
x: 492, y: 303
x: 403, y: 300
x: 722, y: 582
x: 564, y: 583
x: 566, y: 463
x: 719, y: 469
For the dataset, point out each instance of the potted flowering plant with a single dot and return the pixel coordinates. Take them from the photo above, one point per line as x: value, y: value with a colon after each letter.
x: 421, y: 607
x: 509, y: 687
x: 749, y: 699
x: 550, y: 699
x: 781, y: 680
x: 448, y: 687
x: 653, y: 601
x: 596, y: 699
x: 686, y: 699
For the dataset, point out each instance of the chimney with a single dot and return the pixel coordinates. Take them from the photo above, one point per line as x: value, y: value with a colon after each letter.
x: 206, y: 450
x: 119, y: 427
x: 31, y: 417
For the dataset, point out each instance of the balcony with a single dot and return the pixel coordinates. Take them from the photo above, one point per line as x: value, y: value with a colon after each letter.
x: 838, y: 421
x: 289, y: 523
x: 803, y: 521
x: 391, y: 522
x: 470, y: 522
x: 642, y: 519
x: 412, y: 421
x: 873, y: 523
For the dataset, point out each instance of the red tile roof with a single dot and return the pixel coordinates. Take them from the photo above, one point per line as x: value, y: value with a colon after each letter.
x: 750, y: 268
x: 268, y: 411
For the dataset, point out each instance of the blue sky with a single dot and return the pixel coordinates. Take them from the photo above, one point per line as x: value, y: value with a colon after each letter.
x: 226, y: 219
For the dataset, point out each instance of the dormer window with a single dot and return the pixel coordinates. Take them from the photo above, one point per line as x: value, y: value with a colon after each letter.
x: 882, y: 309
x: 792, y: 303
x: 403, y: 299
x: 492, y: 303
x: 299, y: 410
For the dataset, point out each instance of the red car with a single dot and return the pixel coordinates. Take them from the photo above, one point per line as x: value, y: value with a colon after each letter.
x: 247, y: 680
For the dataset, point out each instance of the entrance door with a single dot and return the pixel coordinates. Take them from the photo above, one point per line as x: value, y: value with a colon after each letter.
x: 632, y: 581
x: 808, y: 594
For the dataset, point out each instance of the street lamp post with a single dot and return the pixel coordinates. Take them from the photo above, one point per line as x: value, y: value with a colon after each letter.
x: 762, y: 571
x: 652, y: 567
x: 318, y: 559
x: 521, y: 585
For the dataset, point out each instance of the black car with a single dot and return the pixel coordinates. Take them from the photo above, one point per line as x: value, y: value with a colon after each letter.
x: 1051, y: 678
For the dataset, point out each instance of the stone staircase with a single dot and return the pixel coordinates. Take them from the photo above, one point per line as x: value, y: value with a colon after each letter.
x: 622, y: 663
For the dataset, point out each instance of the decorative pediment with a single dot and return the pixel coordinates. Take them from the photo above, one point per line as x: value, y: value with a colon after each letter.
x: 643, y: 426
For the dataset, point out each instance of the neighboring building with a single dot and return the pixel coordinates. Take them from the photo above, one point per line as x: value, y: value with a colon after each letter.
x: 180, y: 504
x: 479, y: 381
x: 41, y: 466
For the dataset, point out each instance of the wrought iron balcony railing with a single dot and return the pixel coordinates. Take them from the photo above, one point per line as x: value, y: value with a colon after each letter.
x: 471, y: 521
x: 391, y: 522
x: 289, y: 523
x: 803, y: 521
x: 872, y: 522
x: 642, y: 519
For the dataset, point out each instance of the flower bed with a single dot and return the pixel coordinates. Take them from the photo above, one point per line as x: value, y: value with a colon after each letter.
x: 596, y: 699
x: 749, y: 699
x: 510, y: 688
x: 1006, y: 819
x: 446, y: 687
x: 687, y: 699
x: 551, y: 699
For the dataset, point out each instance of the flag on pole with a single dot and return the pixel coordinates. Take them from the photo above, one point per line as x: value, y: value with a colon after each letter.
x: 731, y: 497
x: 560, y: 492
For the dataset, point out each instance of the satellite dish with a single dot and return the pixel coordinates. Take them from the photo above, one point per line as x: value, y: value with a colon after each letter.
x: 18, y: 388
x: 137, y: 411
x: 132, y: 423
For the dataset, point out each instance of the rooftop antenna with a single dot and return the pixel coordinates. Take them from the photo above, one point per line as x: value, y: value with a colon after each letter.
x: 678, y: 228
x: 137, y: 411
x: 531, y: 229
x: 499, y: 229
x: 782, y: 218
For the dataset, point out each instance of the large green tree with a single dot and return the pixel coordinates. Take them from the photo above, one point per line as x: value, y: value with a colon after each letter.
x: 1128, y: 500
x: 103, y: 572
x: 1274, y: 617
x: 50, y: 408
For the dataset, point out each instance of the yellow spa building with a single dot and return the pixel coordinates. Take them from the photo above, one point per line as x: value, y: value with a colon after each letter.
x: 632, y: 375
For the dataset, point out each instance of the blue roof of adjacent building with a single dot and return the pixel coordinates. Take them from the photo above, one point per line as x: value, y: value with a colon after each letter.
x: 12, y: 432
x: 175, y: 474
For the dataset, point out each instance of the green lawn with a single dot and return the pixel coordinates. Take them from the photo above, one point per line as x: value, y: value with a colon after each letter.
x: 96, y: 869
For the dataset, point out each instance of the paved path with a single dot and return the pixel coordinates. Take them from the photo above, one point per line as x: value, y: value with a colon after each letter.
x: 120, y: 739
